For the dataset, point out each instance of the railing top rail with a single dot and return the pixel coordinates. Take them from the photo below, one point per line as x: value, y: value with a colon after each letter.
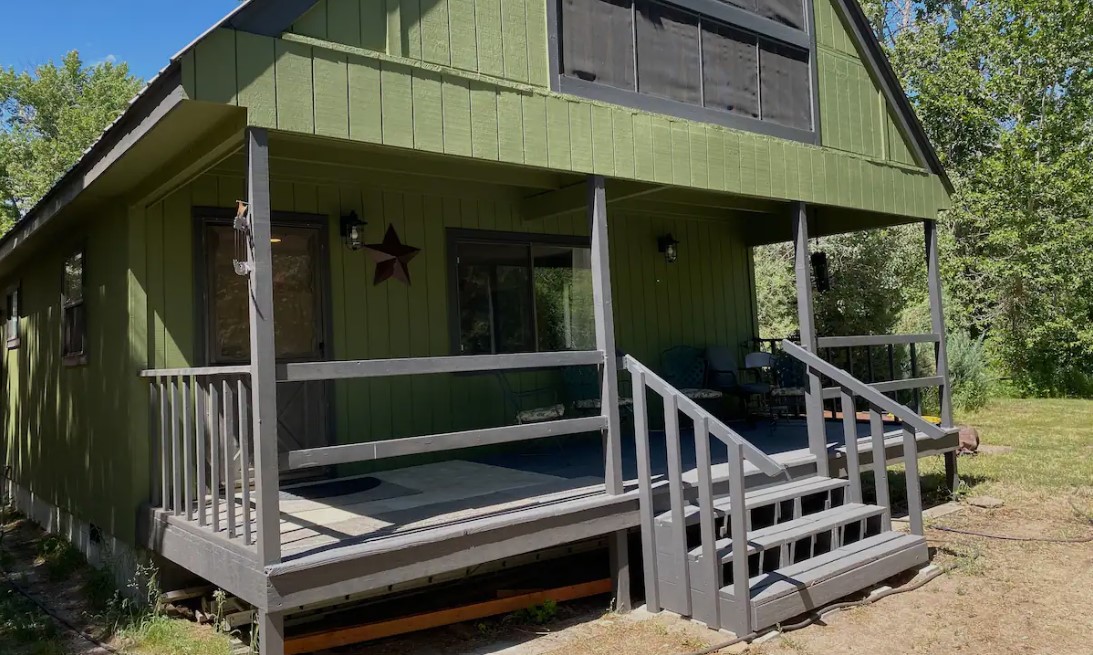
x: 863, y: 390
x: 875, y: 340
x: 893, y: 385
x: 203, y: 370
x: 373, y: 368
x: 762, y: 461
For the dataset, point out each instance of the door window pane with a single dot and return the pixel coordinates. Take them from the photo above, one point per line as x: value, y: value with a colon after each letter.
x: 598, y: 41
x: 785, y: 85
x: 494, y: 298
x: 297, y: 328
x: 563, y: 298
x: 730, y: 66
x: 668, y: 53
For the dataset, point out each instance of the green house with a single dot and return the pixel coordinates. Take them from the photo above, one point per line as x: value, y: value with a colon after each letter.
x: 360, y: 295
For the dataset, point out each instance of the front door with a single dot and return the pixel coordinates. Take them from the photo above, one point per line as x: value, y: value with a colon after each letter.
x: 303, y: 414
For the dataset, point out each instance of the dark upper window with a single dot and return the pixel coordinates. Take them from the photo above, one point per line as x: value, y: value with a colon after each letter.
x: 726, y: 60
x: 11, y: 316
x: 74, y: 310
x: 520, y: 293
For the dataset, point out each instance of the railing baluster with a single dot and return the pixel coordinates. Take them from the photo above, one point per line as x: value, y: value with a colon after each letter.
x: 880, y: 465
x: 850, y: 437
x: 645, y: 490
x: 892, y: 366
x: 200, y: 439
x: 739, y: 528
x: 176, y: 451
x: 215, y: 435
x: 229, y: 456
x: 187, y: 450
x: 164, y: 446
x: 244, y: 458
x: 915, y: 394
x: 914, y: 491
x: 708, y: 610
x: 675, y: 494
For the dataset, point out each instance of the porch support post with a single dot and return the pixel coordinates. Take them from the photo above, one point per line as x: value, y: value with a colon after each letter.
x: 817, y: 435
x: 262, y: 352
x: 609, y: 391
x: 271, y: 633
x: 937, y: 315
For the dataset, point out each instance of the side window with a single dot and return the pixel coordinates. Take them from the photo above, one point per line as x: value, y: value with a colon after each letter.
x: 11, y: 317
x: 74, y: 311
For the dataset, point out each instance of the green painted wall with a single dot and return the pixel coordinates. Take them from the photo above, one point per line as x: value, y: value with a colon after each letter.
x: 355, y: 94
x: 703, y: 299
x: 500, y: 38
x: 854, y: 115
x: 65, y: 427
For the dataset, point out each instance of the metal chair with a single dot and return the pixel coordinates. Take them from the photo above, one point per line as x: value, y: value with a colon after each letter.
x: 684, y: 367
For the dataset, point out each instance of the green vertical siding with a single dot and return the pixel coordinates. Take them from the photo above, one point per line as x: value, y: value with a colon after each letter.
x: 854, y: 115
x: 65, y: 427
x: 429, y: 108
x: 500, y: 38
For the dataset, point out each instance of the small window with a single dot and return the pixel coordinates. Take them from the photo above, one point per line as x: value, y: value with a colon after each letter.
x: 514, y: 294
x: 11, y: 317
x: 74, y: 312
x: 668, y: 53
x: 599, y: 45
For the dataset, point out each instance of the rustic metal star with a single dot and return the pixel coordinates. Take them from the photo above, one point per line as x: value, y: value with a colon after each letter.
x: 391, y: 257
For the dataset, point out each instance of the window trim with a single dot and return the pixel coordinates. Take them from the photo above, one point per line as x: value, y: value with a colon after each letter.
x: 15, y: 289
x: 70, y: 359
x: 764, y: 28
x: 456, y: 235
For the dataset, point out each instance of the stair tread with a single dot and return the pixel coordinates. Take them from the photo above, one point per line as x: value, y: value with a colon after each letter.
x: 790, y: 531
x: 795, y: 577
x: 766, y: 495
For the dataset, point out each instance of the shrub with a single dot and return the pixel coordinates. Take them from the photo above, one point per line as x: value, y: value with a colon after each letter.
x: 968, y: 371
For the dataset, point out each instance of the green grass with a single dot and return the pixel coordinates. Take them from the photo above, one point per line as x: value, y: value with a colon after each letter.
x: 24, y: 629
x: 159, y: 635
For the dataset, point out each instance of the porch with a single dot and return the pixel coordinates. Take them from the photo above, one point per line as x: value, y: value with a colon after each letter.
x: 227, y: 503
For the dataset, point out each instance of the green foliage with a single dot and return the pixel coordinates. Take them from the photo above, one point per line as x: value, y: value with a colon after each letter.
x: 971, y: 378
x: 47, y: 119
x: 60, y: 558
x: 537, y: 614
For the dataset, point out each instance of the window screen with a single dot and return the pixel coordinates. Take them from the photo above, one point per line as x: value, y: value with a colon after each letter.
x: 730, y: 71
x: 74, y: 313
x: 668, y: 53
x: 787, y: 12
x: 598, y: 41
x: 784, y: 85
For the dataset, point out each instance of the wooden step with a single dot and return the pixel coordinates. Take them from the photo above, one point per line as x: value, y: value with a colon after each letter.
x: 763, y: 497
x: 813, y: 583
x: 790, y: 531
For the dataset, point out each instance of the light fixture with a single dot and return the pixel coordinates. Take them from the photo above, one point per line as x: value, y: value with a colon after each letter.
x: 352, y: 228
x: 821, y: 273
x: 668, y: 246
x: 275, y: 239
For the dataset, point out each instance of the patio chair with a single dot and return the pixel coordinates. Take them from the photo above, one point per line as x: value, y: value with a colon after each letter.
x: 684, y: 367
x: 789, y: 383
x: 581, y: 386
x: 528, y: 404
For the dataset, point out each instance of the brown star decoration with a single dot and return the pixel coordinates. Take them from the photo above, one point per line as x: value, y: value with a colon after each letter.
x: 391, y: 257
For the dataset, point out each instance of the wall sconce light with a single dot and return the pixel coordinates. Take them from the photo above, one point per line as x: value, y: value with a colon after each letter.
x: 668, y: 246
x: 821, y: 273
x: 352, y: 229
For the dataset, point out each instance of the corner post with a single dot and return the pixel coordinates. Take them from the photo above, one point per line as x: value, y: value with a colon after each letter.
x: 609, y: 390
x: 937, y: 316
x: 263, y: 352
x: 817, y: 435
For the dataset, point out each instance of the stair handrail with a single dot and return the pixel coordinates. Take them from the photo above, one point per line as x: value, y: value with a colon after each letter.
x: 865, y: 391
x: 724, y: 433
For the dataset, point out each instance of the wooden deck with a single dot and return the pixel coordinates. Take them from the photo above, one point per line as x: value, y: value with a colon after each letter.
x: 359, y: 534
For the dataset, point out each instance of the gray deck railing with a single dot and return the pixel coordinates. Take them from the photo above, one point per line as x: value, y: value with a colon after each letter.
x: 853, y: 349
x: 203, y: 447
x: 739, y: 451
x: 850, y: 389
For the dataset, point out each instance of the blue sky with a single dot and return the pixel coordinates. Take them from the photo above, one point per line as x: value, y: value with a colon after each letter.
x: 144, y: 33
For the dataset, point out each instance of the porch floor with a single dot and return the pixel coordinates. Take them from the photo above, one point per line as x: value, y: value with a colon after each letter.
x: 322, y: 515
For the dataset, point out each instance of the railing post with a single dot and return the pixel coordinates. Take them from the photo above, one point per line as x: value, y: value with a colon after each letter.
x: 609, y: 391
x: 262, y: 348
x: 817, y: 436
x: 850, y: 436
x: 880, y: 465
x: 937, y: 314
x: 914, y: 485
x: 738, y: 519
x: 645, y: 490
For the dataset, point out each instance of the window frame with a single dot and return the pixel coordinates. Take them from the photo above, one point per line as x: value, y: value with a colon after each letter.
x: 14, y: 290
x: 457, y: 235
x: 722, y: 12
x: 72, y: 357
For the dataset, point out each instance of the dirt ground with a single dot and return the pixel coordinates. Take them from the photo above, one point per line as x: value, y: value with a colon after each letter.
x: 996, y: 598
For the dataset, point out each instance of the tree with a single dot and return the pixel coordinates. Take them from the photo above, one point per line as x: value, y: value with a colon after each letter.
x: 48, y: 117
